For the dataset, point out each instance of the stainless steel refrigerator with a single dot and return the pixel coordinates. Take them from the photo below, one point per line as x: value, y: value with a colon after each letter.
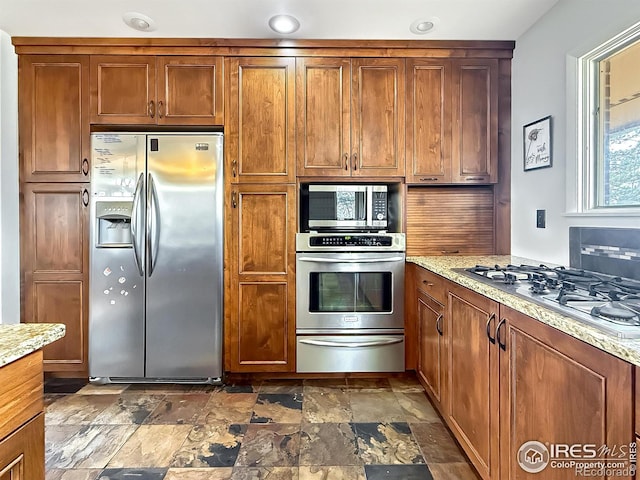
x: 156, y: 280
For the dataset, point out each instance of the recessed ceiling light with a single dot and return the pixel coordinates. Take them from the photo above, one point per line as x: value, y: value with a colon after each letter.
x: 139, y: 21
x: 284, y: 24
x: 423, y: 25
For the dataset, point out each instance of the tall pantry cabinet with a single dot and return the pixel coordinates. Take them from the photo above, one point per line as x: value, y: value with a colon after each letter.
x: 261, y: 224
x: 53, y: 96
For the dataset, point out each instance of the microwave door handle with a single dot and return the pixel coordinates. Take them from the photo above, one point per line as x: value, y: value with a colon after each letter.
x: 371, y: 343
x: 351, y: 260
x: 369, y: 206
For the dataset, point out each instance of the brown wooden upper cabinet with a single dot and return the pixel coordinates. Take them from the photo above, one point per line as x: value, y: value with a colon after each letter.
x: 350, y: 116
x: 53, y: 97
x: 260, y: 129
x: 452, y: 121
x: 163, y: 90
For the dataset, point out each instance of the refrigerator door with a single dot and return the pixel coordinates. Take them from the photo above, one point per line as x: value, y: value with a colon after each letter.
x: 117, y: 284
x: 184, y: 264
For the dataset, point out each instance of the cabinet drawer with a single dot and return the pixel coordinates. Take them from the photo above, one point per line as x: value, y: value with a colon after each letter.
x: 350, y: 353
x: 22, y: 392
x: 22, y: 452
x: 431, y: 284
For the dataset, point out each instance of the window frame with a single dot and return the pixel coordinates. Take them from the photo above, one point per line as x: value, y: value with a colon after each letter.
x: 590, y: 165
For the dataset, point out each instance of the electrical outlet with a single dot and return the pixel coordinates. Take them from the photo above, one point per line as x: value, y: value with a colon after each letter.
x: 541, y: 218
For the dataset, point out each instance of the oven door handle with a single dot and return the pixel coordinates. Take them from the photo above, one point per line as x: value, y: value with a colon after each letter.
x: 372, y: 343
x: 351, y: 260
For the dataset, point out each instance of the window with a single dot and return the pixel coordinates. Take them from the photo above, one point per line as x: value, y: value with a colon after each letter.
x: 611, y: 124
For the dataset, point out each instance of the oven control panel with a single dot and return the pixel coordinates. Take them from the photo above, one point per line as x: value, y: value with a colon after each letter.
x: 350, y: 241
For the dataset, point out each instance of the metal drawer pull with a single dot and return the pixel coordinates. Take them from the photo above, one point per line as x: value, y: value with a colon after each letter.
x: 152, y: 109
x: 429, y: 179
x: 373, y: 343
x: 438, y: 323
x: 475, y: 178
x: 355, y: 260
x: 428, y: 284
x: 449, y: 252
x: 346, y: 161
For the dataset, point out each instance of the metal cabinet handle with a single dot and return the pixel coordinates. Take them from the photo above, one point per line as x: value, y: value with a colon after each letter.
x: 346, y: 161
x: 491, y: 318
x: 503, y: 345
x: 355, y: 161
x: 428, y: 284
x: 152, y: 109
x: 234, y: 164
x: 475, y: 178
x: 234, y: 201
x: 160, y: 108
x: 85, y: 167
x: 428, y: 179
x: 438, y: 324
x: 449, y: 252
x: 85, y: 197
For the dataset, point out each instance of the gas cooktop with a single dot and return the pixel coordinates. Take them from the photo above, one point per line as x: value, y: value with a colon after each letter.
x: 611, y: 304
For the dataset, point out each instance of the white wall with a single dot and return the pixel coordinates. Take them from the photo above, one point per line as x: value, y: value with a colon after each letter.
x: 9, y: 210
x: 572, y: 27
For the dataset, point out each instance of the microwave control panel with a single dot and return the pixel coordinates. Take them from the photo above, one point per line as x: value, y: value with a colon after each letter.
x: 379, y: 207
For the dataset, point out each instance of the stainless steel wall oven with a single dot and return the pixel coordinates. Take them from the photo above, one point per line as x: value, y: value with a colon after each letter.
x: 350, y: 315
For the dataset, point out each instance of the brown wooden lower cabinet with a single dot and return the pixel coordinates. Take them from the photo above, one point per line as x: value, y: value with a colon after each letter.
x: 22, y: 453
x: 260, y: 291
x: 55, y: 269
x: 472, y: 370
x: 22, y: 419
x: 431, y: 344
x: 510, y: 379
x: 556, y: 389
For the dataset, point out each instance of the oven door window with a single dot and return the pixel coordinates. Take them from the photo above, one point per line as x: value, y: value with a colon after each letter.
x: 350, y: 292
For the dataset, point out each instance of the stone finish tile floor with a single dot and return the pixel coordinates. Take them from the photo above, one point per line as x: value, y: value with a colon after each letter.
x: 335, y: 429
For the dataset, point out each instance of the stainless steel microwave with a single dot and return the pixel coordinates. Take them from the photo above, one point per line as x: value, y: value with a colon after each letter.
x: 347, y: 207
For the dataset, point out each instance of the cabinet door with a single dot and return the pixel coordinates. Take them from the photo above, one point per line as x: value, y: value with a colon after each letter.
x: 260, y: 135
x: 431, y: 344
x: 475, y: 121
x: 260, y: 295
x: 428, y: 127
x: 555, y: 389
x: 472, y: 405
x: 55, y: 259
x: 22, y: 453
x: 123, y: 89
x: 323, y: 99
x: 190, y: 91
x: 53, y: 115
x: 378, y: 116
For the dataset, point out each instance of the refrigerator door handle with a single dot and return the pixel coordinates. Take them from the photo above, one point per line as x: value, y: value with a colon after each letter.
x: 153, y: 224
x: 135, y: 222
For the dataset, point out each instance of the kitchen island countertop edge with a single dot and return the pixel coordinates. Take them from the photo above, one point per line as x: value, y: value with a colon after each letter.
x: 625, y: 349
x: 21, y: 339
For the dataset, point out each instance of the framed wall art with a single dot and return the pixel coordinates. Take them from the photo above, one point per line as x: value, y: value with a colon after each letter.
x: 537, y: 144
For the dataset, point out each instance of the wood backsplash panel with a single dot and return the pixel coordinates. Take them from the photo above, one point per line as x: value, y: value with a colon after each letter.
x: 450, y: 220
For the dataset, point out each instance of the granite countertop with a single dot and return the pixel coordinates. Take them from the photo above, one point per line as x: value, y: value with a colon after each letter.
x: 21, y: 339
x: 626, y: 349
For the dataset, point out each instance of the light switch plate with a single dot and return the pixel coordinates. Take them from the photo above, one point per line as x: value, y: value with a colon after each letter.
x: 541, y: 218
